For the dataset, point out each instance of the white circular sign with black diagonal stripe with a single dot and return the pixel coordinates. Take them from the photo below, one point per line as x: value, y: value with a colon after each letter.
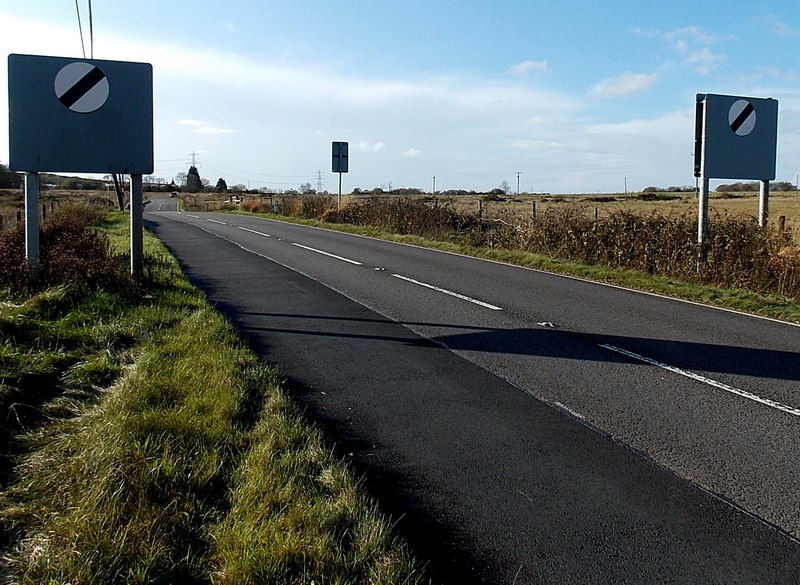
x: 81, y: 87
x: 742, y: 117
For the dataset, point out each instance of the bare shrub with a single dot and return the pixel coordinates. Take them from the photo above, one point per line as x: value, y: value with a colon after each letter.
x: 402, y: 216
x: 71, y: 252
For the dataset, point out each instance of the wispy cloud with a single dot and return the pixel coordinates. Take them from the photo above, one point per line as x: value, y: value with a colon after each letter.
x: 705, y: 61
x: 411, y: 152
x: 693, y: 44
x: 368, y: 146
x: 781, y: 28
x: 682, y: 37
x: 527, y: 67
x: 201, y: 127
x: 624, y: 85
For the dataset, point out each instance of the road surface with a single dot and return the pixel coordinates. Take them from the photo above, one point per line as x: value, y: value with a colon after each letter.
x: 525, y: 427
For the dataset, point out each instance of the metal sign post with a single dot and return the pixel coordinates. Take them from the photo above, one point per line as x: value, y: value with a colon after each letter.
x: 32, y: 221
x: 137, y: 226
x: 735, y: 138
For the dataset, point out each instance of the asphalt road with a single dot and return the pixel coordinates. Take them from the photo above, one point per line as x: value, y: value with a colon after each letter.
x: 524, y: 427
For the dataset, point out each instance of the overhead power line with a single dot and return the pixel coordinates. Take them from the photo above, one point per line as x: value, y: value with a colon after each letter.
x: 91, y: 30
x: 80, y: 28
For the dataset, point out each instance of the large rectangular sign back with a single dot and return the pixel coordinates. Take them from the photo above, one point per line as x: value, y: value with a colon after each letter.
x: 736, y: 137
x: 80, y: 115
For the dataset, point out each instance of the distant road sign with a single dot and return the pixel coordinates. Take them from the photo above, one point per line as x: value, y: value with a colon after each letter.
x: 80, y: 115
x: 340, y: 157
x: 81, y: 87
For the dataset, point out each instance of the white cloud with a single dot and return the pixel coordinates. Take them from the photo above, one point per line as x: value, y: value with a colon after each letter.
x: 368, y: 146
x: 411, y: 152
x: 213, y: 130
x: 692, y: 43
x: 529, y: 66
x: 201, y: 127
x: 705, y: 61
x: 681, y: 38
x: 624, y: 85
x: 781, y: 28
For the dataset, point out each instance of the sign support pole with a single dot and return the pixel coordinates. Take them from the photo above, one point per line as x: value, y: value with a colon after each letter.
x: 702, y: 212
x: 137, y: 223
x: 32, y: 221
x: 339, y: 200
x: 763, y: 204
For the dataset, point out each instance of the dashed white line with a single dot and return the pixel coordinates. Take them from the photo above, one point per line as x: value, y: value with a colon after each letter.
x: 215, y: 221
x: 194, y: 216
x: 328, y: 254
x: 254, y: 232
x: 737, y: 391
x: 449, y: 292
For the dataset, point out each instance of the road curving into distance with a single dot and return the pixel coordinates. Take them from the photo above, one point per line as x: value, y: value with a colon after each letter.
x: 525, y: 427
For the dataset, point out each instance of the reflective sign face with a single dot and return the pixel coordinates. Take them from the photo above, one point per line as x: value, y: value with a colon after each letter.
x: 742, y: 117
x: 80, y: 115
x: 737, y: 137
x: 81, y: 87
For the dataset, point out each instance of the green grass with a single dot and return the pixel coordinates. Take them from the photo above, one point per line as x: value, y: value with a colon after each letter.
x: 163, y: 451
x: 767, y: 305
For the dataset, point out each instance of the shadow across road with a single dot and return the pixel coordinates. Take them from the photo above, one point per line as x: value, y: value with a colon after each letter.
x: 546, y: 342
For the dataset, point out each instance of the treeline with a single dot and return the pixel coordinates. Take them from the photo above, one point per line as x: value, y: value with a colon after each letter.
x: 754, y: 187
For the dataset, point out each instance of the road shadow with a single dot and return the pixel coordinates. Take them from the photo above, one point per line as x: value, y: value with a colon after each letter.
x: 545, y: 342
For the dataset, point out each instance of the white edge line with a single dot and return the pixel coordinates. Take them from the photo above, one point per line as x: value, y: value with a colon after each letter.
x: 328, y: 254
x: 254, y: 231
x: 704, y: 380
x: 449, y: 292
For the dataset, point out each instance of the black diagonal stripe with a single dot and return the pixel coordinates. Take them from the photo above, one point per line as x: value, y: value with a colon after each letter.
x: 82, y: 87
x: 740, y: 119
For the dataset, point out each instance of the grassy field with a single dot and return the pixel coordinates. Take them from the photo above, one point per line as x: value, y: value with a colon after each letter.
x: 144, y: 443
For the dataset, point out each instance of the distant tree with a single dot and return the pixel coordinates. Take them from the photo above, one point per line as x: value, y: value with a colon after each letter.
x: 306, y: 189
x: 193, y: 182
x: 221, y: 186
x: 9, y: 179
x: 180, y: 178
x: 83, y: 184
x: 505, y: 187
x: 781, y: 186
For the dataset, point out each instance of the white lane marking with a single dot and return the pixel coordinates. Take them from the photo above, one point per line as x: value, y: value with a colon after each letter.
x: 739, y: 392
x: 254, y: 232
x: 194, y: 216
x: 328, y: 254
x: 449, y: 292
x: 215, y: 221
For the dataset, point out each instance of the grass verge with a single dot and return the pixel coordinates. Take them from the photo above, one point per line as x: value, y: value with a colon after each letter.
x: 165, y: 452
x: 739, y: 299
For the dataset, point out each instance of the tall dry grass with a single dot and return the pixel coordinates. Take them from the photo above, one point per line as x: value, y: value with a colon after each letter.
x: 739, y: 254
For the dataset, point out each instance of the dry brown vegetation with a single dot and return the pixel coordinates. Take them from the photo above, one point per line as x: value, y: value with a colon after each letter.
x: 656, y: 235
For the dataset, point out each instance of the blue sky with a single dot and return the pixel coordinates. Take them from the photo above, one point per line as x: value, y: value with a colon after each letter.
x: 578, y: 96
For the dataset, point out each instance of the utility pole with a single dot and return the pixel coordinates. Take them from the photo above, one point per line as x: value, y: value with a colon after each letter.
x: 433, y: 192
x: 518, y: 174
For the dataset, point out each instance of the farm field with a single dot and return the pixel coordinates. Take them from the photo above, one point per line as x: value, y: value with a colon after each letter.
x: 786, y: 204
